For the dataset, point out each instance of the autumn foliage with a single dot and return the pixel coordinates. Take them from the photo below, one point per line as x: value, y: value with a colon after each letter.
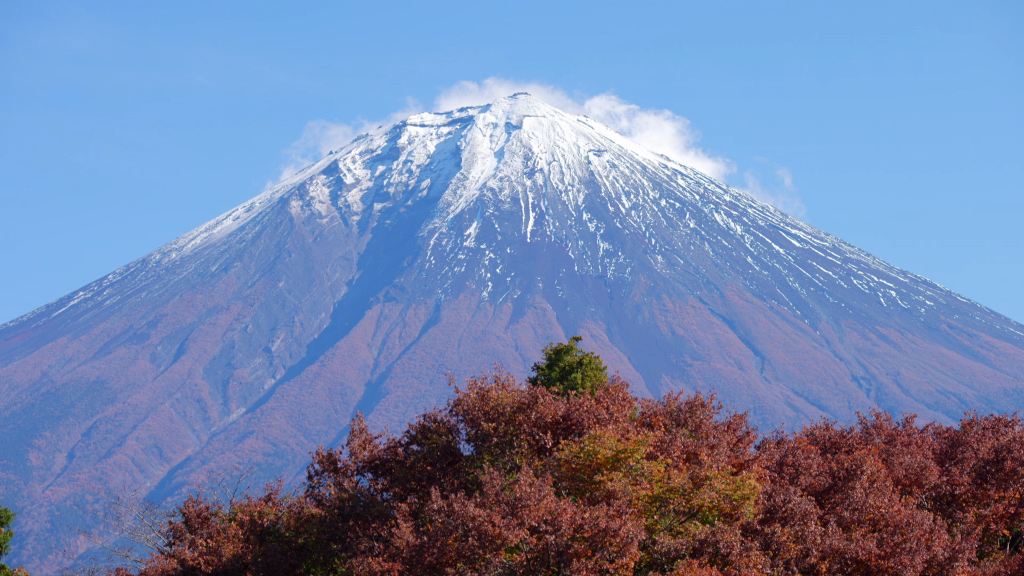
x: 543, y: 478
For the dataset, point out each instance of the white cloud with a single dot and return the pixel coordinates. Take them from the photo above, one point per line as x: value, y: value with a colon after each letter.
x: 783, y: 196
x: 784, y: 174
x: 320, y: 137
x: 660, y: 130
x: 468, y: 93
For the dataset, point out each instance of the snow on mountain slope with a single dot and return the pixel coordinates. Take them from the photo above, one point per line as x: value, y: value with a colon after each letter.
x: 519, y: 168
x: 439, y: 245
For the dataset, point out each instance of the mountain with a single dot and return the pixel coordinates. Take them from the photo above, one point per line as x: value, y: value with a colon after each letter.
x: 440, y: 245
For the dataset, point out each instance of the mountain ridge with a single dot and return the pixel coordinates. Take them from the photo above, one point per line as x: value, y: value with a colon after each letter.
x: 441, y: 244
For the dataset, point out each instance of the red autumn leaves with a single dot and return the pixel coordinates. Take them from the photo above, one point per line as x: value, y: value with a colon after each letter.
x: 537, y: 479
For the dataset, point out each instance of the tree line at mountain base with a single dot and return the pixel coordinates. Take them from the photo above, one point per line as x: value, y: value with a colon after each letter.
x: 570, y: 474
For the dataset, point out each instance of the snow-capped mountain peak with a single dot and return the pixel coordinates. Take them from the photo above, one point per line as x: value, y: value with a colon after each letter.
x: 439, y: 245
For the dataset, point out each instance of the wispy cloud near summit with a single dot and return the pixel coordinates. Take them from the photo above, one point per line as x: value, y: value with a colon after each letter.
x: 660, y: 130
x: 319, y: 137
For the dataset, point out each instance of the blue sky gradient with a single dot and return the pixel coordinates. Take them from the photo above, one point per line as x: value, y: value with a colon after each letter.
x: 125, y: 124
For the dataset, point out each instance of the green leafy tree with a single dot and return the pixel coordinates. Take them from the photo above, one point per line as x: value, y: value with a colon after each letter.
x: 6, y: 518
x: 568, y: 368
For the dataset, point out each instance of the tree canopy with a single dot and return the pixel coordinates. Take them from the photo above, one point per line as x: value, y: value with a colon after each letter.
x: 6, y: 535
x: 567, y: 368
x: 571, y: 474
x: 6, y: 519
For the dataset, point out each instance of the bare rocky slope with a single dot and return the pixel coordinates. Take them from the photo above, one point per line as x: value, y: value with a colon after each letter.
x: 443, y: 244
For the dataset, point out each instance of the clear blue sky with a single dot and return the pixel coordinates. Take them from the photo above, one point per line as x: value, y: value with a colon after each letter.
x: 125, y: 124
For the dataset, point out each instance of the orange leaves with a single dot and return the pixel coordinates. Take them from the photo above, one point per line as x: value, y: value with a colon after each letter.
x: 603, y: 465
